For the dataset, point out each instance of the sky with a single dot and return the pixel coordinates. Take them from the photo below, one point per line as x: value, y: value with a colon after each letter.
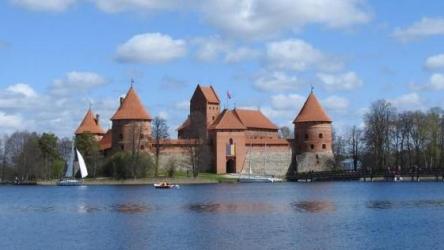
x: 58, y: 57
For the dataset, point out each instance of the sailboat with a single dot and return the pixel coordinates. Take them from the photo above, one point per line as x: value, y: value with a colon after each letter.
x: 76, y: 163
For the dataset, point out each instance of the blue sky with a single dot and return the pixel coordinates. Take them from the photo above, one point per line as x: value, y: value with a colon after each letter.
x: 57, y: 56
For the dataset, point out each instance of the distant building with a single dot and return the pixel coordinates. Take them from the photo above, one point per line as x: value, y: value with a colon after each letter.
x: 231, y: 141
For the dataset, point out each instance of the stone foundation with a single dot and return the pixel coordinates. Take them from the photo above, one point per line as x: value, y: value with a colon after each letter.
x: 268, y: 161
x: 321, y: 161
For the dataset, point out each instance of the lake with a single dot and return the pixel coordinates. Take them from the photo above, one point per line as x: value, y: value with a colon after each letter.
x: 330, y: 215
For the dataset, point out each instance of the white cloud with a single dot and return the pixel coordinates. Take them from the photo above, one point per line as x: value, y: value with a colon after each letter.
x: 435, y: 62
x: 163, y: 114
x: 345, y: 81
x: 76, y: 81
x: 44, y: 5
x: 10, y: 122
x: 136, y: 5
x: 411, y: 101
x: 262, y: 18
x: 23, y: 89
x: 151, y: 48
x: 298, y: 55
x: 276, y: 82
x: 291, y: 102
x: 184, y: 105
x: 240, y: 54
x: 212, y: 48
x: 421, y: 29
x: 336, y: 103
x: 437, y: 82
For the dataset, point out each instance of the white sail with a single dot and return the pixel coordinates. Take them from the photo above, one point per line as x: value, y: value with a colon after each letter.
x: 82, y: 165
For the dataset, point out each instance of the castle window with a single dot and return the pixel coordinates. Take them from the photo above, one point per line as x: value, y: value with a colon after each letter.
x: 312, y: 146
x: 141, y: 136
x: 142, y: 147
x: 321, y: 135
x: 231, y: 141
x: 317, y: 156
x: 121, y: 147
x: 213, y: 118
x: 306, y: 136
x: 121, y: 136
x: 324, y: 146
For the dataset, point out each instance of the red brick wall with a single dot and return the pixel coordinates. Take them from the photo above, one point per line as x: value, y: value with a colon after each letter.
x: 220, y: 141
x: 313, y: 137
x: 127, y: 134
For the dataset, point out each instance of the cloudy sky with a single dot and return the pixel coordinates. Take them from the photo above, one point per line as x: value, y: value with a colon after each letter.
x: 57, y: 56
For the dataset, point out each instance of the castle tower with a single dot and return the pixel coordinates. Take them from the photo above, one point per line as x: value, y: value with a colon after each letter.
x: 204, y: 109
x: 90, y: 125
x: 131, y: 125
x: 313, y: 137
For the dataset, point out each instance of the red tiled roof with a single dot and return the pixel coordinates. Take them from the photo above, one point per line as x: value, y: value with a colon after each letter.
x: 312, y: 111
x: 106, y: 141
x: 131, y: 108
x: 185, y: 124
x: 254, y: 119
x: 89, y: 125
x: 227, y: 120
x: 209, y: 93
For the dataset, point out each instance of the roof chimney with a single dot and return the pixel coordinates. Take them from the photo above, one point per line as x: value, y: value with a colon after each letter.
x: 121, y: 100
x: 97, y: 119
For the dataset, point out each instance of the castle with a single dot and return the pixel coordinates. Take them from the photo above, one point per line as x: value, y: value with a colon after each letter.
x: 227, y: 141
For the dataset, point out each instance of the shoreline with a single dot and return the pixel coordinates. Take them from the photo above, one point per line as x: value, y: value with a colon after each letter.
x: 182, y: 180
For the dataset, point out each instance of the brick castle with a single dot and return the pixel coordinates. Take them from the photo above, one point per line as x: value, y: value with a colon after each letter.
x: 227, y: 141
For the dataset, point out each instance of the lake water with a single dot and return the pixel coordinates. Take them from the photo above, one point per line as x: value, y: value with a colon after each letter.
x: 331, y: 215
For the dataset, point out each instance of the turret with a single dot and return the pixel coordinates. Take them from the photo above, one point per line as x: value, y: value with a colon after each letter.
x: 313, y: 137
x: 131, y: 124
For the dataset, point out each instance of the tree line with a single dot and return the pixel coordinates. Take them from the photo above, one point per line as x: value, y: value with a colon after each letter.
x: 392, y: 140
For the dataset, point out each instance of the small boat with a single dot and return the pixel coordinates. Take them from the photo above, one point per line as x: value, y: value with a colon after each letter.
x: 397, y: 178
x: 77, y: 163
x: 165, y: 185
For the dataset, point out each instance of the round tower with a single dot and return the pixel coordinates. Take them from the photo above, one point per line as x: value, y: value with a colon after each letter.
x: 313, y: 137
x: 131, y: 125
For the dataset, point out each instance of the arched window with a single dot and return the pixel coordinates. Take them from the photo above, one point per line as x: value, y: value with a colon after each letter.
x: 324, y: 146
x: 231, y: 141
x: 142, y: 147
x: 312, y: 146
x: 321, y: 135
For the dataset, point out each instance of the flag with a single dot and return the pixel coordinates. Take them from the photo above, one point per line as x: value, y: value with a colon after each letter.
x: 228, y: 94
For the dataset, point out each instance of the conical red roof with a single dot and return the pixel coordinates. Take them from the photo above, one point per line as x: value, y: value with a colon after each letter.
x: 89, y: 125
x: 312, y: 111
x: 131, y: 108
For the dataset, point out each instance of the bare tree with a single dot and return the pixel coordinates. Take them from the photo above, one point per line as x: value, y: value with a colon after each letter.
x: 159, y: 133
x: 199, y: 150
x: 377, y: 133
x: 285, y: 132
x: 355, y: 142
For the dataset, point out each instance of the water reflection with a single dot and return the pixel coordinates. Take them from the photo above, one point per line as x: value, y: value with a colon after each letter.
x: 231, y: 207
x: 381, y: 204
x: 38, y: 209
x: 130, y: 208
x: 85, y: 208
x: 314, y: 206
